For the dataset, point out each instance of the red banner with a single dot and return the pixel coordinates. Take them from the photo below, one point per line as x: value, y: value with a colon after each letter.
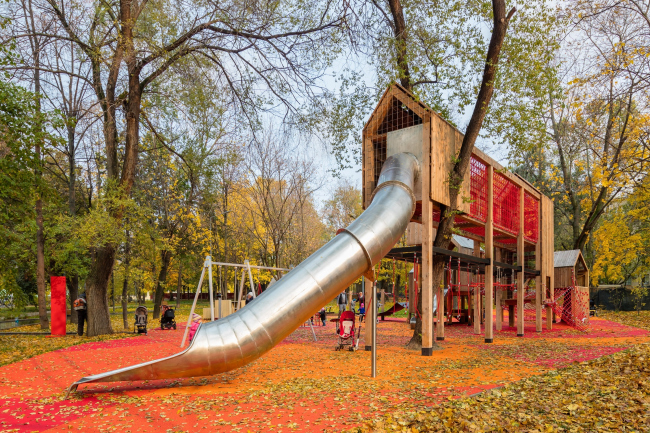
x: 58, y: 319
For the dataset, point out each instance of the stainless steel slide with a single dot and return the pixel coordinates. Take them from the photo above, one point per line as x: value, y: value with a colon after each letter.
x: 244, y: 336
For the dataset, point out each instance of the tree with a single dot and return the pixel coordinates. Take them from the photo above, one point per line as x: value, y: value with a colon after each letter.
x: 23, y: 127
x: 444, y: 231
x: 598, y: 122
x: 278, y: 185
x: 270, y: 46
x: 342, y: 208
x: 437, y: 50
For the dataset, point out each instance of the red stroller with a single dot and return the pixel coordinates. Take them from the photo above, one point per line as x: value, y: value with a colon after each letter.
x: 346, y: 331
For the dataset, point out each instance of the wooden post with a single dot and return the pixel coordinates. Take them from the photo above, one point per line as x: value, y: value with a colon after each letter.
x: 477, y: 294
x: 497, y: 296
x: 548, y: 267
x: 427, y: 243
x: 538, y: 286
x: 348, y: 307
x: 520, y: 262
x: 489, y: 250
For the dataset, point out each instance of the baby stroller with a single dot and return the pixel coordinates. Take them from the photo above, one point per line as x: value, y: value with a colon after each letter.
x: 346, y: 331
x: 167, y: 321
x: 140, y: 320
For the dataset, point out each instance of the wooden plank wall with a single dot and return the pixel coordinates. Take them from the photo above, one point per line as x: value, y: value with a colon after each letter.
x: 563, y: 277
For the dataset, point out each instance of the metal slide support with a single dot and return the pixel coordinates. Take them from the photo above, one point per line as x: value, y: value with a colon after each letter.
x: 241, y: 289
x: 250, y: 278
x: 241, y: 338
x: 211, y: 291
x: 311, y: 325
x: 374, y: 329
x: 196, y: 297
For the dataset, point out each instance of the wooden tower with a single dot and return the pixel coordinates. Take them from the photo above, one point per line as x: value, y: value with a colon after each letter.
x: 499, y: 209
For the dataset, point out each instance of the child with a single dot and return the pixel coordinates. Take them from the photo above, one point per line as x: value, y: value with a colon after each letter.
x: 362, y: 312
x: 196, y: 321
x: 323, y: 315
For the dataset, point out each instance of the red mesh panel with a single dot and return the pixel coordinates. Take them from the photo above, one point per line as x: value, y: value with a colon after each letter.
x: 531, y: 218
x: 478, y: 189
x: 571, y: 305
x: 475, y: 230
x: 506, y: 204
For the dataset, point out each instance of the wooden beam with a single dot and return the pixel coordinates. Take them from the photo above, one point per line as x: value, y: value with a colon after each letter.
x: 520, y: 262
x: 477, y: 295
x: 497, y: 296
x: 489, y: 247
x: 427, y: 242
x: 538, y: 279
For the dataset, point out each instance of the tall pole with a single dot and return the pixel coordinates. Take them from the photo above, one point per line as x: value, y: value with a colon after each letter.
x: 374, y: 328
x: 489, y: 251
x: 521, y: 263
x: 196, y: 297
x: 209, y: 261
x: 250, y: 278
x: 241, y: 288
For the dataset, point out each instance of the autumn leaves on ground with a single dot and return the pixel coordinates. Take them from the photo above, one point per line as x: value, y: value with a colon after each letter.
x: 562, y: 380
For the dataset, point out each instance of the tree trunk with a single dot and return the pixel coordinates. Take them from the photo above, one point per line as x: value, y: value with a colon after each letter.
x: 400, y: 34
x: 448, y: 213
x: 99, y: 320
x: 165, y: 256
x: 179, y: 285
x: 125, y: 283
x: 73, y: 288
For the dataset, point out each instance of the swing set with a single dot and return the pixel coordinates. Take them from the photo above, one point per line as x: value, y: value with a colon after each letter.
x: 246, y: 269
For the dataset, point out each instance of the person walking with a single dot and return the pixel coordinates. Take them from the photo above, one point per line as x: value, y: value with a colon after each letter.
x: 81, y: 308
x: 323, y: 315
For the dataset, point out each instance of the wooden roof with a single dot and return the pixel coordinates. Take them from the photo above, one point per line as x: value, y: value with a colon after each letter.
x: 568, y: 259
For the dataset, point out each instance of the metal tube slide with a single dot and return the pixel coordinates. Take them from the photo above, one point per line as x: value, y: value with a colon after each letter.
x: 244, y: 336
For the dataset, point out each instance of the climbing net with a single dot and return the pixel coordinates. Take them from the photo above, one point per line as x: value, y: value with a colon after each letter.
x: 569, y: 304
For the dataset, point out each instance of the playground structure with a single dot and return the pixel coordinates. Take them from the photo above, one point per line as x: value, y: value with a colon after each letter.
x: 498, y: 209
x: 407, y: 152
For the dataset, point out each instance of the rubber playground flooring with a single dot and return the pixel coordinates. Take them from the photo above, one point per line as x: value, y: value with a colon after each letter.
x: 300, y: 385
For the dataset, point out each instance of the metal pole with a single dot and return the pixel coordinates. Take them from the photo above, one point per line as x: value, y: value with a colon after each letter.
x: 311, y: 325
x: 210, y: 286
x: 374, y: 328
x: 219, y: 296
x: 238, y: 265
x: 250, y: 278
x: 241, y: 289
x: 196, y: 297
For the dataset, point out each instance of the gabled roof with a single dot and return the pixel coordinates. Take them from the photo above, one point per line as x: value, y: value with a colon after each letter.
x: 566, y: 259
x: 397, y: 103
x: 463, y: 241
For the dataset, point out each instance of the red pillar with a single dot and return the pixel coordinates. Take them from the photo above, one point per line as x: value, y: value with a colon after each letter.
x: 58, y: 319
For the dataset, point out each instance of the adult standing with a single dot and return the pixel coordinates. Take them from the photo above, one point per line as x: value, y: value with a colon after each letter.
x: 342, y: 302
x: 80, y: 307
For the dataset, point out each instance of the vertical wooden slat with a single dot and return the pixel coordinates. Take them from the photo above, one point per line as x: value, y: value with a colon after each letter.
x: 497, y: 297
x: 551, y: 248
x: 489, y: 250
x: 427, y: 241
x: 520, y: 262
x: 538, y: 279
x: 477, y: 295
